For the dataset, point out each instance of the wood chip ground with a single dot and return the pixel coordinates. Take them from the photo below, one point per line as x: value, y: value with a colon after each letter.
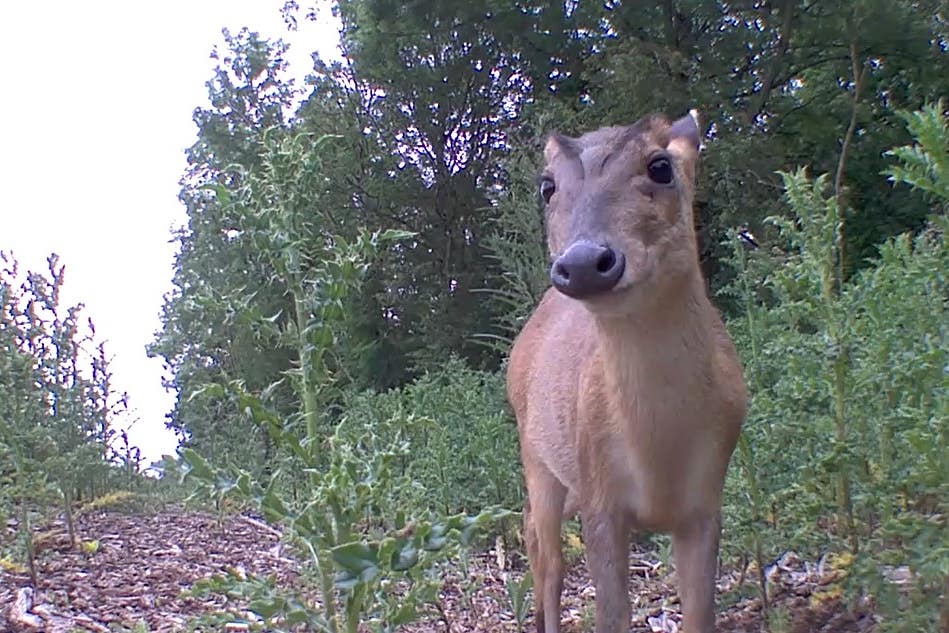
x: 136, y: 578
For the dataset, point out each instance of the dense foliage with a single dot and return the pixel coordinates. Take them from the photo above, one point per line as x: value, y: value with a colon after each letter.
x: 338, y: 252
x: 464, y: 451
x: 853, y: 375
x: 437, y: 112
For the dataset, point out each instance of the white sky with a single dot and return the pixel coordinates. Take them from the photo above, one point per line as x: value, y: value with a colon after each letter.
x: 96, y: 112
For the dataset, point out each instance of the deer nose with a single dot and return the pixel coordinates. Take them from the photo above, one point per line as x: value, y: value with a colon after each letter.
x: 586, y: 269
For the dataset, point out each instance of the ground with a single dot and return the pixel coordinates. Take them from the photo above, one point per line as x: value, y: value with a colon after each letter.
x: 130, y: 572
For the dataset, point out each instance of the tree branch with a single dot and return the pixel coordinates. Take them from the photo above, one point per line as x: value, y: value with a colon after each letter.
x: 784, y: 37
x: 859, y: 74
x: 858, y: 77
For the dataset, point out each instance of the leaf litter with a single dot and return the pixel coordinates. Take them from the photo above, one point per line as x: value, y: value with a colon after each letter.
x: 132, y: 572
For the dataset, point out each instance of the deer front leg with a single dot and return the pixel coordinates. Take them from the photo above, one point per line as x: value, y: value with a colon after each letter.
x: 606, y: 539
x: 695, y: 548
x: 542, y: 521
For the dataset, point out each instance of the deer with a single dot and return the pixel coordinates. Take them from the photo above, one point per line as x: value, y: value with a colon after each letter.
x: 627, y: 389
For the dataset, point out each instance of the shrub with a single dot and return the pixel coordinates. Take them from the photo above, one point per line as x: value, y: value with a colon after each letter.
x: 464, y: 455
x: 846, y: 438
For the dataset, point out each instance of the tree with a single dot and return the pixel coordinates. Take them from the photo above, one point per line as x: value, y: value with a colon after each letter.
x: 218, y: 272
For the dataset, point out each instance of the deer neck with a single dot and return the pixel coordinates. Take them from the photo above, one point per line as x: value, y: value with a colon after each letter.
x: 670, y: 341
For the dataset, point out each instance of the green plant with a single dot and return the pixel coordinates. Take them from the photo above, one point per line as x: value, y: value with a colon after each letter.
x: 924, y: 165
x: 335, y: 487
x: 464, y: 451
x: 517, y: 591
x: 851, y: 374
x: 779, y: 621
x: 379, y: 558
x: 57, y: 406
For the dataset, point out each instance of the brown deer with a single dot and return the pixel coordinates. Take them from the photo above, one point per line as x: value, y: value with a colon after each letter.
x: 628, y: 392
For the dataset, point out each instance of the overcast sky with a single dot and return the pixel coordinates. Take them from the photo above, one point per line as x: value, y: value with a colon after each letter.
x: 96, y: 114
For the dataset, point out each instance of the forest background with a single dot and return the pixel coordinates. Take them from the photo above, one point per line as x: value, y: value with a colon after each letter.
x: 361, y: 250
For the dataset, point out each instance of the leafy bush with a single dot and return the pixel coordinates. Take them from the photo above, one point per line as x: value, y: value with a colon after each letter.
x: 337, y: 479
x: 376, y: 560
x: 851, y: 375
x: 57, y: 406
x: 464, y: 456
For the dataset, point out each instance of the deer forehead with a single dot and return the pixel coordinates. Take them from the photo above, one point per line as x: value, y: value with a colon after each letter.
x: 632, y: 140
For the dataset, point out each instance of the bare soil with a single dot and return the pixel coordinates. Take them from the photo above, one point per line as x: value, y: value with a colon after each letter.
x: 131, y: 572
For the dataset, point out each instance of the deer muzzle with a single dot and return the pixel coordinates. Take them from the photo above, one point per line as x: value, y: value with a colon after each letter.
x: 587, y: 269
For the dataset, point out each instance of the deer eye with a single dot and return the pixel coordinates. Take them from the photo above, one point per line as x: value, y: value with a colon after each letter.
x: 660, y: 171
x: 547, y: 189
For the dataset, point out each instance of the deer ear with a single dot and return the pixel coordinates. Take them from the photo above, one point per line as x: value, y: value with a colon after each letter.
x: 687, y: 129
x: 551, y: 147
x: 557, y: 144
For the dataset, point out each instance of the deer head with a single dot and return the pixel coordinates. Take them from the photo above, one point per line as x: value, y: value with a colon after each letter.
x: 619, y: 210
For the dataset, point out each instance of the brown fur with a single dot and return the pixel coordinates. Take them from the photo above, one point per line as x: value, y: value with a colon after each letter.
x: 628, y: 404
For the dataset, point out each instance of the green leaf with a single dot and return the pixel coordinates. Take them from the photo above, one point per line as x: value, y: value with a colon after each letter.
x: 356, y: 557
x: 197, y: 466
